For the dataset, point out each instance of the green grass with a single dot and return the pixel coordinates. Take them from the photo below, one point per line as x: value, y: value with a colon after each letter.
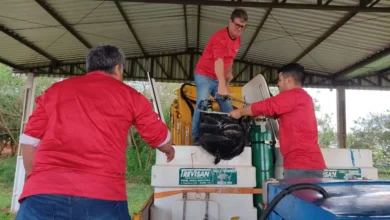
x: 138, y: 187
x: 137, y: 195
x: 7, y: 171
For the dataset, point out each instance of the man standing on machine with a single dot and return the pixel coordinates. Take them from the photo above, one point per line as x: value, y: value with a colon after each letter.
x: 213, y: 71
x: 298, y: 132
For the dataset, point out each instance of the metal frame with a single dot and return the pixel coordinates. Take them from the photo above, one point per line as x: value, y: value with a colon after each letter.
x: 179, y: 66
x: 362, y: 7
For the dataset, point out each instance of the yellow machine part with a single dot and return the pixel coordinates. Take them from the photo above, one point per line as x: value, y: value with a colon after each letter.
x: 180, y: 112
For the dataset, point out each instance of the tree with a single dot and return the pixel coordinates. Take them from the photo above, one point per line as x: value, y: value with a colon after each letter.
x: 12, y: 90
x: 372, y: 132
x: 11, y: 96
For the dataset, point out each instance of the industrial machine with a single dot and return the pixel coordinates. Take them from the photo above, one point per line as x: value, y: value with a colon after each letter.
x: 326, y: 199
x: 193, y: 187
x: 183, y: 107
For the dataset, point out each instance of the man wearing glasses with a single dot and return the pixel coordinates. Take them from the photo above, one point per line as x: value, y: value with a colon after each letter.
x: 213, y: 71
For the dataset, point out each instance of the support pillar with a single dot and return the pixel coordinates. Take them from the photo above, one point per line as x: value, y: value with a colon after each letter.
x: 341, y: 118
x: 20, y: 173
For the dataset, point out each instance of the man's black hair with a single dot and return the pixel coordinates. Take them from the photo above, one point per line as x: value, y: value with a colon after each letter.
x: 105, y: 58
x: 295, y: 71
x: 239, y: 13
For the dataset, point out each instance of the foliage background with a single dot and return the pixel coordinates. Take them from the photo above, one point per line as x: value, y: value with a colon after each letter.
x: 369, y: 132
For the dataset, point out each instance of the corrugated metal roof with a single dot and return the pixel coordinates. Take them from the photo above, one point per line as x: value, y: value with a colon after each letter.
x: 161, y: 29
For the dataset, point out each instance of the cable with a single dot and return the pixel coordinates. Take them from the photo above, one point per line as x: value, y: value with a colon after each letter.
x: 288, y: 190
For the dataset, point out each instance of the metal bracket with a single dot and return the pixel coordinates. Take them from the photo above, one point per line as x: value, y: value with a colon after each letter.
x: 265, y: 189
x: 206, y: 215
x: 184, y: 205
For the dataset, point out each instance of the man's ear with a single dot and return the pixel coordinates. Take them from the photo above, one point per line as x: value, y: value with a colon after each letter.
x: 117, y: 70
x: 118, y: 73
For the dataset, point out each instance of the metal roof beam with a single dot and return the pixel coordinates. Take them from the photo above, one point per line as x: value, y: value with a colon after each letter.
x: 330, y: 31
x: 185, y: 24
x: 262, y: 22
x: 60, y: 20
x: 374, y: 57
x: 253, y: 4
x: 118, y: 5
x: 155, y: 57
x: 327, y: 34
x: 8, y: 63
x: 27, y: 43
x: 328, y: 2
x: 198, y: 29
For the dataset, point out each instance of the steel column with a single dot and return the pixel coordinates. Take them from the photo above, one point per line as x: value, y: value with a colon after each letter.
x: 20, y: 173
x: 341, y: 117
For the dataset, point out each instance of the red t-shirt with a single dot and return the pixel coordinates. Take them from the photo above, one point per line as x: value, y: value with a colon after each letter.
x: 80, y: 128
x: 220, y: 45
x: 298, y: 132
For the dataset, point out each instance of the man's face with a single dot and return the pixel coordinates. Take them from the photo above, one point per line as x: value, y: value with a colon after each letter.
x: 282, y: 83
x: 236, y: 27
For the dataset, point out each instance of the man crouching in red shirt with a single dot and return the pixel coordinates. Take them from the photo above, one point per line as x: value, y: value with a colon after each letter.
x: 298, y: 132
x: 74, y: 143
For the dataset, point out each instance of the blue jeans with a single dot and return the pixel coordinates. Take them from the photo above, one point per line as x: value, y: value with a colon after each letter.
x: 205, y: 87
x: 39, y: 207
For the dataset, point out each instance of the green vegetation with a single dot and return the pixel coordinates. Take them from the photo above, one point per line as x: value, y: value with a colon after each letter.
x: 370, y: 132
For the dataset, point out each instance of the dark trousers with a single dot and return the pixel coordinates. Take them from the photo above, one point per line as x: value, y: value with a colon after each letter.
x: 59, y: 207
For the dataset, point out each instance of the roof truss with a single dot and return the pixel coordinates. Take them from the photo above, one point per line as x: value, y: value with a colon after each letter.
x: 178, y: 67
x: 319, y: 5
x: 166, y: 67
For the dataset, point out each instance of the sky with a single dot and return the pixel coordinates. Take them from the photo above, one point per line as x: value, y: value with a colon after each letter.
x: 358, y: 102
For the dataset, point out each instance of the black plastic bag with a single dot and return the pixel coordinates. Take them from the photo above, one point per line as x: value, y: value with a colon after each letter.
x: 222, y: 136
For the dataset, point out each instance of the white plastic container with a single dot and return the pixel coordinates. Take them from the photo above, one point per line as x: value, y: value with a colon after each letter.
x: 193, y: 160
x: 339, y: 161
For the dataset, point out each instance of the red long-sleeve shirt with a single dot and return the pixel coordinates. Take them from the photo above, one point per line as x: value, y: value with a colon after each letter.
x: 80, y: 128
x: 298, y: 132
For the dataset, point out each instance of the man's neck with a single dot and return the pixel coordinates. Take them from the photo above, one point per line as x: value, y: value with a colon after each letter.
x: 231, y: 37
x: 294, y: 87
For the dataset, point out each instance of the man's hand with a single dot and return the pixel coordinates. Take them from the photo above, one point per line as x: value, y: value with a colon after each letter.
x: 235, y: 114
x: 222, y: 89
x: 170, y: 154
x: 168, y: 150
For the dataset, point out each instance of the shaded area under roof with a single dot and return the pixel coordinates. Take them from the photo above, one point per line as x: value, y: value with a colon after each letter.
x: 340, y: 42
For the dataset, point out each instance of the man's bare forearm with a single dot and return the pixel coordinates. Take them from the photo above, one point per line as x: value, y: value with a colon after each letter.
x: 246, y: 111
x: 218, y: 66
x: 28, y: 153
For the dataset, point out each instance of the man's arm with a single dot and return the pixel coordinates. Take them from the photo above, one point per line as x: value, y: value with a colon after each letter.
x: 229, y: 74
x: 33, y: 133
x: 280, y: 104
x: 219, y: 53
x: 152, y: 130
x: 28, y: 153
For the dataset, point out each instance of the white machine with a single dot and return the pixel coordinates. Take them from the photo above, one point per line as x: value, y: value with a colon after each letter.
x: 191, y: 187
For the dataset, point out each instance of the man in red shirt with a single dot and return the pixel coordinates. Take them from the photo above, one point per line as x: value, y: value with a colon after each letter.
x: 298, y: 133
x: 213, y: 71
x: 74, y: 143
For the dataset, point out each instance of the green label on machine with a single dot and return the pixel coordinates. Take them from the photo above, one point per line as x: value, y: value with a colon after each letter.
x: 342, y: 173
x: 207, y: 176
